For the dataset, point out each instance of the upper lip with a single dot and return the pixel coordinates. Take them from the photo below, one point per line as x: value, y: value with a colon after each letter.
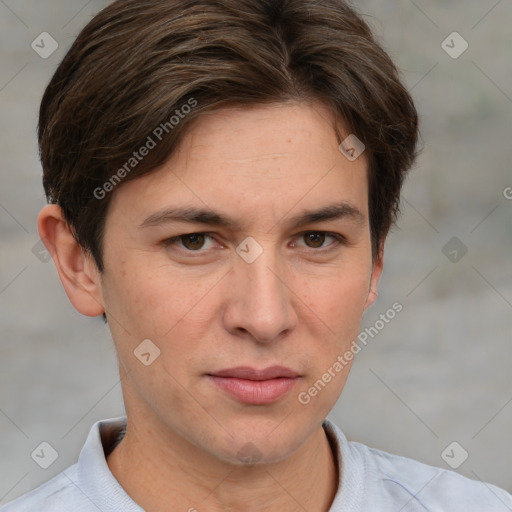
x: 248, y: 373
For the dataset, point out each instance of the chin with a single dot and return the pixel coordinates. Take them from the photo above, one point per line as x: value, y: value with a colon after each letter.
x: 249, y: 450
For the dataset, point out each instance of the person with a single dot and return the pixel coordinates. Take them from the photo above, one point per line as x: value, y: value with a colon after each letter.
x: 222, y: 176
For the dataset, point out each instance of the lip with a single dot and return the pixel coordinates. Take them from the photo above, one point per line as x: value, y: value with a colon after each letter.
x: 256, y: 387
x: 248, y: 373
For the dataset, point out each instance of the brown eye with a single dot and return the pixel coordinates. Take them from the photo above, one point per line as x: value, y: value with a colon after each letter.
x: 193, y: 241
x: 314, y: 240
x: 190, y: 242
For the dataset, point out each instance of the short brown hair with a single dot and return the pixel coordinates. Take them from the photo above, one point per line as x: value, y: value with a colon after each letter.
x: 139, y: 62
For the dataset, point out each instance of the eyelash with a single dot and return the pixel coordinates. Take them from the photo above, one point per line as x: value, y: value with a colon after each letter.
x: 340, y: 240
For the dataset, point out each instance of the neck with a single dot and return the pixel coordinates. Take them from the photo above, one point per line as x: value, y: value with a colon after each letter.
x: 162, y: 473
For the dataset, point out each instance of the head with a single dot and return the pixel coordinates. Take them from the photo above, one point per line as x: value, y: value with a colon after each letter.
x: 225, y: 119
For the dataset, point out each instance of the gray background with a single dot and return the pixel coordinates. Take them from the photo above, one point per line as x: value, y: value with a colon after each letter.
x: 437, y: 373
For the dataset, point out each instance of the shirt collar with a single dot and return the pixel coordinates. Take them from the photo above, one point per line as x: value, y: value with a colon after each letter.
x: 351, y: 471
x: 94, y: 477
x: 96, y: 481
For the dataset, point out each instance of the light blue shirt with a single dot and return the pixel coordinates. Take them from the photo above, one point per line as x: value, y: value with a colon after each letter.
x: 370, y: 481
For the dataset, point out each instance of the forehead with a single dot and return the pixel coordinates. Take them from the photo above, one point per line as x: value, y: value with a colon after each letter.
x: 274, y: 158
x: 244, y: 136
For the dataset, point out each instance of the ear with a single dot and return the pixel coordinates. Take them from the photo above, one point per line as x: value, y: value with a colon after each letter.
x: 374, y: 278
x: 77, y: 269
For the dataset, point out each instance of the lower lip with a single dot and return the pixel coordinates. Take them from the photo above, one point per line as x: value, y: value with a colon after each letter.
x: 255, y: 392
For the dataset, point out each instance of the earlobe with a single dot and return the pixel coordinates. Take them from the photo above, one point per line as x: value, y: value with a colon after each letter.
x: 77, y: 270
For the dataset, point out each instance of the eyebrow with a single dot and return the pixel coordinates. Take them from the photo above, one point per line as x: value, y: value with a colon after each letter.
x: 213, y: 218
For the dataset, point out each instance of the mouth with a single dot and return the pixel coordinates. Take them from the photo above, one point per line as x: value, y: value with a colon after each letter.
x: 256, y: 387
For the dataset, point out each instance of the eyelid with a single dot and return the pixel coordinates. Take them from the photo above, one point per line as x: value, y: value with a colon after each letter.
x: 174, y: 239
x: 340, y: 240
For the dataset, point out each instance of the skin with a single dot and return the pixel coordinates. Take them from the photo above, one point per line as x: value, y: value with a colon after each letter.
x: 299, y: 304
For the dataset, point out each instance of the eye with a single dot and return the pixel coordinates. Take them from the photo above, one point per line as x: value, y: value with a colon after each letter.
x: 316, y: 239
x: 191, y: 242
x: 194, y: 242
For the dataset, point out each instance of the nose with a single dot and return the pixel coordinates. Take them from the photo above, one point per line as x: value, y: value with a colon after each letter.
x: 261, y: 301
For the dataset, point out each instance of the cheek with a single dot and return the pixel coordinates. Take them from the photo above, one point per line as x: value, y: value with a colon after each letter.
x: 134, y: 297
x: 340, y: 308
x: 152, y: 297
x: 340, y: 301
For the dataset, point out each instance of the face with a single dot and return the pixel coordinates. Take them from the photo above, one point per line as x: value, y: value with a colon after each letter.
x: 218, y: 259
